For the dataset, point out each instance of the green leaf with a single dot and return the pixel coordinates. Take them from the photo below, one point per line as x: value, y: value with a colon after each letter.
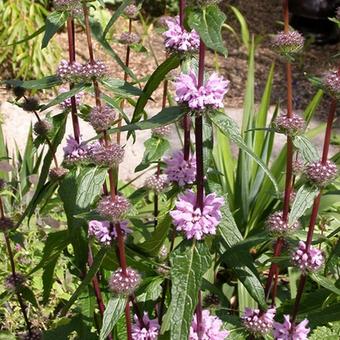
x: 63, y: 96
x: 167, y: 116
x: 89, y: 186
x: 40, y: 84
x: 303, y: 200
x: 54, y: 22
x: 306, y: 148
x: 208, y: 22
x: 230, y: 129
x: 97, y: 261
x: 154, y: 244
x: 154, y: 81
x: 150, y: 290
x: 244, y: 27
x: 42, y: 189
x: 189, y: 262
x: 113, y: 311
x: 121, y: 88
x: 239, y: 261
x: 325, y: 282
x: 154, y: 150
x: 312, y: 106
x: 324, y: 315
x: 116, y: 15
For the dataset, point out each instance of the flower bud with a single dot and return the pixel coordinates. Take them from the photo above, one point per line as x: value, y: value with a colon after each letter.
x: 124, y: 284
x: 42, y: 127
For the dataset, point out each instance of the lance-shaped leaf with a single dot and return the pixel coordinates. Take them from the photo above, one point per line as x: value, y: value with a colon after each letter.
x: 306, y: 148
x: 189, y: 262
x: 121, y: 88
x: 63, y: 96
x: 54, y: 22
x: 303, y: 200
x: 113, y: 311
x: 239, y: 261
x: 208, y: 23
x: 155, y: 79
x: 154, y: 149
x: 230, y: 129
x: 39, y: 84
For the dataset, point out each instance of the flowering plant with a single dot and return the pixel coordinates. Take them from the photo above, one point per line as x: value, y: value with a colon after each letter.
x: 203, y: 247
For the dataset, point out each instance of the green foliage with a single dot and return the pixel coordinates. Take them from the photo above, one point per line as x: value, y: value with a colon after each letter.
x: 20, y: 19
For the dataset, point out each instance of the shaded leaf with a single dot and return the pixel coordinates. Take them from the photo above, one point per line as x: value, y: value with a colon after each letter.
x: 54, y: 22
x: 208, y: 21
x: 189, y: 262
x: 113, y: 311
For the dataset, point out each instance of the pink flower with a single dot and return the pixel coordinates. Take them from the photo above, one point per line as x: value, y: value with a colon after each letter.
x: 321, y: 173
x: 257, y: 322
x: 101, y: 231
x: 331, y: 82
x: 67, y: 103
x: 211, y: 328
x: 208, y: 96
x: 179, y: 170
x: 307, y: 260
x: 178, y: 39
x: 289, y: 331
x: 113, y: 209
x: 74, y: 151
x: 124, y: 284
x: 194, y: 222
x: 149, y: 330
x: 276, y: 225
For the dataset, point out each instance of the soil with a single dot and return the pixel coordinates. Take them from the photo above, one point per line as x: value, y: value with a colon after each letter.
x: 263, y: 18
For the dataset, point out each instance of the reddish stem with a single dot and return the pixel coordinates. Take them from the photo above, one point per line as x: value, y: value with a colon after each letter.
x: 72, y: 59
x: 200, y: 169
x: 120, y: 236
x: 14, y: 275
x: 274, y: 269
x: 181, y: 12
x: 316, y: 204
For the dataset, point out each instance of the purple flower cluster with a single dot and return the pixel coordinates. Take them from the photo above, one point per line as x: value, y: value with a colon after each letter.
x: 276, y: 225
x: 76, y: 72
x: 6, y: 224
x: 67, y: 103
x: 157, y: 183
x: 124, y: 284
x: 57, y: 173
x: 321, y: 173
x: 331, y: 82
x: 289, y: 125
x: 102, y: 118
x: 289, y: 331
x: 148, y: 330
x: 177, y: 39
x: 131, y: 11
x: 102, y: 232
x: 42, y: 127
x: 197, y: 223
x: 73, y: 6
x: 211, y: 328
x: 129, y: 38
x: 162, y: 131
x: 287, y: 43
x: 107, y: 155
x: 75, y: 152
x: 179, y: 170
x: 257, y: 322
x: 208, y: 96
x: 12, y: 283
x: 307, y: 260
x: 115, y: 209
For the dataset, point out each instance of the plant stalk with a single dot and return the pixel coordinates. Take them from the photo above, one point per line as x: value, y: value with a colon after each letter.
x: 316, y: 205
x: 186, y: 120
x: 14, y: 275
x: 72, y: 59
x: 120, y: 236
x: 200, y: 169
x: 274, y: 269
